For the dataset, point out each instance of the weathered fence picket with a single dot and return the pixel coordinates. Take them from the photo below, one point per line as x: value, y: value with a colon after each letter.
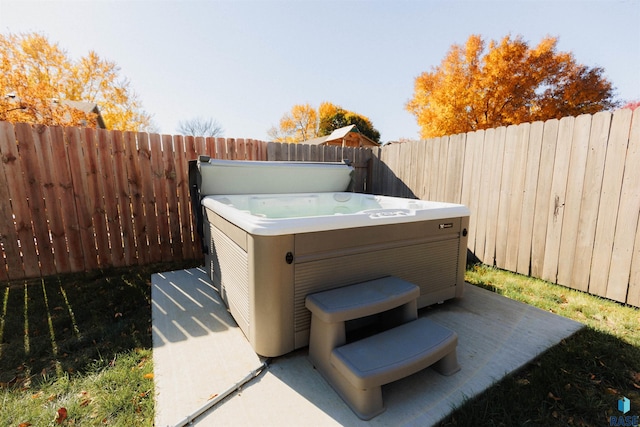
x: 529, y: 198
x: 9, y: 236
x: 592, y: 189
x: 573, y: 198
x: 627, y: 221
x: 21, y: 211
x: 123, y: 195
x: 557, y: 199
x: 541, y: 215
x: 609, y: 202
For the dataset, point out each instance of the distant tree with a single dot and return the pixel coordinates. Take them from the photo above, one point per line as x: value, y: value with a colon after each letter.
x: 304, y: 122
x: 36, y: 76
x: 300, y: 124
x: 200, y: 127
x: 508, y: 83
x: 326, y: 112
x: 632, y: 105
x: 340, y: 118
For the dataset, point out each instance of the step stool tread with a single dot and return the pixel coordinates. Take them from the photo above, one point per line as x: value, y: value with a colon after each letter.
x: 362, y: 299
x: 394, y: 354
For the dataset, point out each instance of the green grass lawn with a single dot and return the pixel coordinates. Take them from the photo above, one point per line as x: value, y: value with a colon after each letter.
x: 83, y: 343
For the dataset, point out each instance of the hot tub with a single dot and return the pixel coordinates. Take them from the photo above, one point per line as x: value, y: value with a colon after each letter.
x: 278, y: 214
x: 267, y: 252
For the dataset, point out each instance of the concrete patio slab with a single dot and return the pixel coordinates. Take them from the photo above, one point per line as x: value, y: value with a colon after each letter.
x: 199, y: 353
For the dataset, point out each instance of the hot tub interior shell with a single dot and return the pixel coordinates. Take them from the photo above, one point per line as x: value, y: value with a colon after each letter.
x: 264, y: 279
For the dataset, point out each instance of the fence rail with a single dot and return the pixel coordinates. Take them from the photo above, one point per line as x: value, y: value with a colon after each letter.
x: 76, y: 199
x: 558, y: 200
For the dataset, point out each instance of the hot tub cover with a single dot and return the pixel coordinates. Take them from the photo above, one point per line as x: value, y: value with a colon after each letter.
x: 263, y: 177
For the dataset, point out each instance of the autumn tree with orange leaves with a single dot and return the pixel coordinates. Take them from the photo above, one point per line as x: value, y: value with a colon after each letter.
x: 299, y: 124
x: 38, y: 77
x: 508, y: 83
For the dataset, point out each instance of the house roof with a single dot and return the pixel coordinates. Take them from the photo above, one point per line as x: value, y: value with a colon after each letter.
x: 337, y: 135
x: 342, y: 132
x: 87, y: 107
x: 316, y: 141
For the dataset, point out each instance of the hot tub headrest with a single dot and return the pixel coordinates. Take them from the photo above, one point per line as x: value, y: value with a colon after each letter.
x: 268, y: 177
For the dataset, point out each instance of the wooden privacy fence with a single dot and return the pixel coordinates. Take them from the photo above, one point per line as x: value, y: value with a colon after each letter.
x: 76, y: 199
x: 558, y: 200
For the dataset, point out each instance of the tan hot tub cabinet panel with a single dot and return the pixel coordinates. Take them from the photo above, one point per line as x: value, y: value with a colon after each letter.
x: 265, y: 289
x: 272, y: 291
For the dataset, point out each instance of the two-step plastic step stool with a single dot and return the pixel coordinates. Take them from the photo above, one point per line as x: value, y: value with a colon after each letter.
x: 357, y: 370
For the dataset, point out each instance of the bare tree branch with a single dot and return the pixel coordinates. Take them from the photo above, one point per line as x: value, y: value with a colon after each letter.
x: 200, y: 126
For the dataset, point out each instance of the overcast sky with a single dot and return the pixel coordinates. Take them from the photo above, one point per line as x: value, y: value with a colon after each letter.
x: 246, y: 63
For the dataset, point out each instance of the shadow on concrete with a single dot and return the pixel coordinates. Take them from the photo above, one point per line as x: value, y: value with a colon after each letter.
x: 184, y: 305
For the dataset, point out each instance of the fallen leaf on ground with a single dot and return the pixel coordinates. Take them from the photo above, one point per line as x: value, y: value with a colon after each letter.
x: 24, y: 424
x: 551, y: 395
x: 213, y: 396
x: 148, y: 376
x: 61, y: 415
